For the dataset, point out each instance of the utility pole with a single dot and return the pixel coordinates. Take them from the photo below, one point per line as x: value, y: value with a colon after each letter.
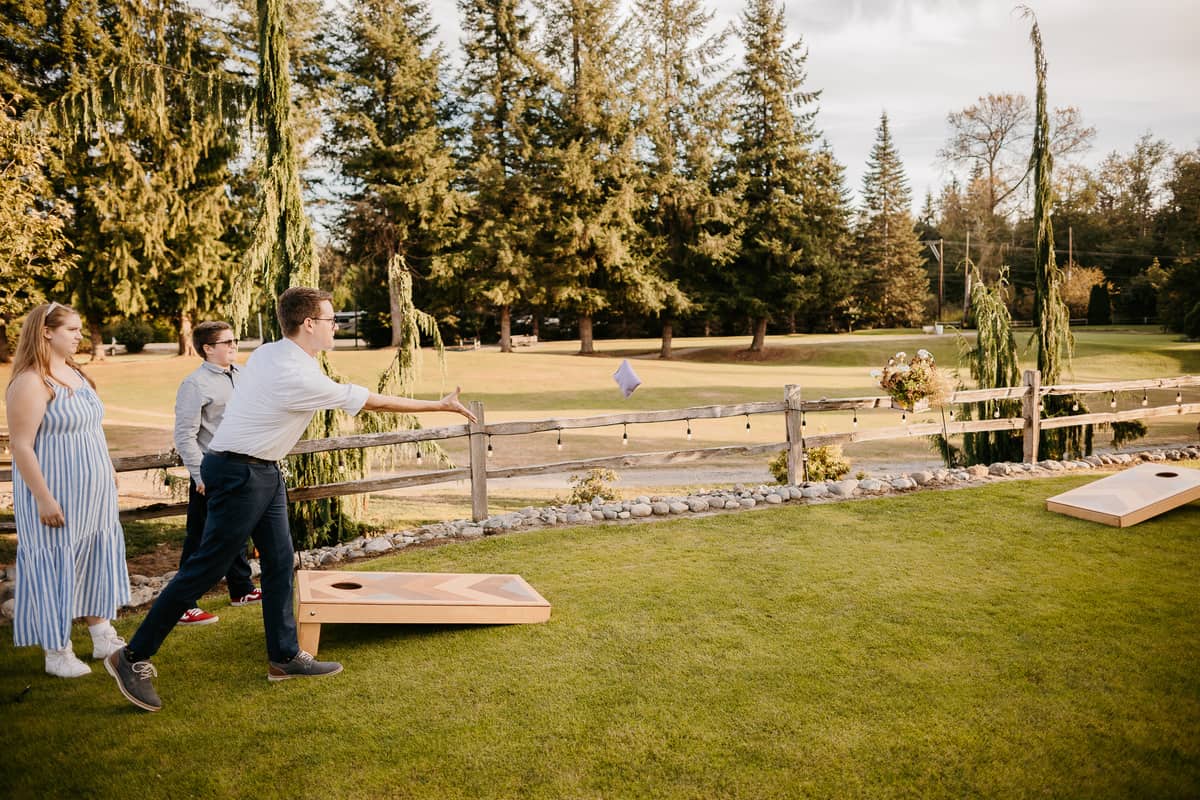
x: 967, y: 279
x: 941, y: 275
x: 1070, y: 250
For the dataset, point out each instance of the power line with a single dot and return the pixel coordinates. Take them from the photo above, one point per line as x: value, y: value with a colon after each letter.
x: 1008, y: 246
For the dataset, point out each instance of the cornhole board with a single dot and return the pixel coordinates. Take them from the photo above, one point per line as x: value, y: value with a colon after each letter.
x: 412, y: 597
x: 1132, y: 496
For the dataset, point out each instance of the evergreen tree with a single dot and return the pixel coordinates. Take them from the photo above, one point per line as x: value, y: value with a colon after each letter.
x: 690, y: 224
x: 388, y: 141
x: 593, y: 250
x: 1050, y: 317
x: 504, y: 88
x: 894, y: 287
x: 793, y: 205
x: 34, y: 255
x: 142, y: 113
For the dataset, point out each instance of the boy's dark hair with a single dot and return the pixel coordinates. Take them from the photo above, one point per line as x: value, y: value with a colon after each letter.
x: 298, y: 304
x: 207, y: 333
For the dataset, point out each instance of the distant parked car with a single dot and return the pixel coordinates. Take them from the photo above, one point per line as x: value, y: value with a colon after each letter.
x: 345, y: 319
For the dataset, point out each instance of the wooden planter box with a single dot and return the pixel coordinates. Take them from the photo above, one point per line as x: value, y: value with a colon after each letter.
x: 920, y: 405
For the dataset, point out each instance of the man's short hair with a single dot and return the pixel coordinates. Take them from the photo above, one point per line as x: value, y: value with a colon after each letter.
x: 207, y: 333
x: 298, y: 304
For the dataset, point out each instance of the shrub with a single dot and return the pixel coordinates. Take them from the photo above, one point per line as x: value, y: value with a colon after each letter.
x: 1099, y: 310
x: 133, y: 333
x: 824, y: 464
x: 592, y: 484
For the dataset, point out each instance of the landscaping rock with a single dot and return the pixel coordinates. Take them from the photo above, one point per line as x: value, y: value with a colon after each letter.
x: 641, y: 509
x: 999, y: 468
x: 921, y: 478
x: 379, y: 545
x: 903, y: 484
x: 7, y: 608
x: 747, y: 502
x: 842, y: 488
x: 697, y: 504
x: 976, y: 471
x: 677, y: 507
x: 871, y: 485
x: 773, y: 499
x: 660, y: 508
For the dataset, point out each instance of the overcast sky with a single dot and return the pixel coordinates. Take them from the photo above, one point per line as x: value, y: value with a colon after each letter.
x: 1130, y: 67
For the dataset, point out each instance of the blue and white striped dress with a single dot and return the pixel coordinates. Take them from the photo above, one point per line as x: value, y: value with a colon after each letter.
x: 79, y: 569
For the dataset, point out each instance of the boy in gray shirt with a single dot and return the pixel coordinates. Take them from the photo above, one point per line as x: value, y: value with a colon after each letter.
x: 199, y: 406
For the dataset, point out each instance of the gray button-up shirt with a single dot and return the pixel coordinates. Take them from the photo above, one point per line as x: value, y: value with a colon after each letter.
x: 199, y: 407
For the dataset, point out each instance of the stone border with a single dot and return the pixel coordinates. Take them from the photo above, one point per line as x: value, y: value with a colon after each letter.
x: 144, y: 589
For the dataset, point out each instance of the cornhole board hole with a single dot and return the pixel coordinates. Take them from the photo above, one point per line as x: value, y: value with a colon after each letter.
x: 1132, y: 496
x: 412, y: 597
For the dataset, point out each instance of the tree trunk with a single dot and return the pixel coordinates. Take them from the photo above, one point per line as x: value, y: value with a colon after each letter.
x: 97, y: 337
x: 668, y: 330
x: 186, y: 347
x: 506, y: 329
x: 585, y: 335
x: 535, y: 325
x: 5, y: 353
x: 397, y: 316
x: 760, y: 335
x: 791, y: 322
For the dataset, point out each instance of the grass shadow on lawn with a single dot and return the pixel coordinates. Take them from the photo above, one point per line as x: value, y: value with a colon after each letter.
x: 940, y: 644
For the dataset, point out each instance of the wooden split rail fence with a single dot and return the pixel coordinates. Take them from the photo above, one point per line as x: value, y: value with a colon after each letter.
x: 797, y: 441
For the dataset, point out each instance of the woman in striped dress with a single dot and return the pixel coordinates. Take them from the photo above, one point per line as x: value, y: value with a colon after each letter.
x: 70, y: 546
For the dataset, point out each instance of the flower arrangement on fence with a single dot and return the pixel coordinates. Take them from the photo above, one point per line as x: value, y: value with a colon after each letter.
x: 910, y: 380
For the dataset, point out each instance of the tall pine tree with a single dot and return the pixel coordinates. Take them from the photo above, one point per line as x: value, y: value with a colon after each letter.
x: 389, y: 143
x: 594, y: 255
x: 505, y: 90
x: 690, y: 224
x: 793, y: 204
x: 894, y: 286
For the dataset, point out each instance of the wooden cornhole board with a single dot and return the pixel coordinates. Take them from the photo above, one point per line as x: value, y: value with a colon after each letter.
x: 412, y: 597
x: 1132, y: 496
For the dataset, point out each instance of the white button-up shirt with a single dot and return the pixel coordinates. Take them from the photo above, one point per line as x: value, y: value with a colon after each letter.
x: 277, y: 393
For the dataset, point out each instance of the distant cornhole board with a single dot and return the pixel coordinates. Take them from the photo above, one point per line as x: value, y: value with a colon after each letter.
x: 1130, y: 497
x: 412, y: 597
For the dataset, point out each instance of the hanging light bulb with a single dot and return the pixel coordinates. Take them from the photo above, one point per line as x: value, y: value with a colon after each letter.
x: 855, y: 421
x: 689, y: 430
x: 1112, y: 400
x: 747, y: 422
x: 625, y: 436
x: 559, y: 445
x: 489, y: 454
x: 418, y: 455
x: 996, y: 414
x: 1041, y: 407
x: 1178, y: 397
x: 952, y: 415
x: 1145, y: 399
x: 803, y: 421
x: 904, y: 417
x: 1075, y: 406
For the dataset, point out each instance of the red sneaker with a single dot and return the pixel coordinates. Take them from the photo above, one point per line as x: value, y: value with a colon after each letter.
x: 247, y: 599
x: 197, y: 616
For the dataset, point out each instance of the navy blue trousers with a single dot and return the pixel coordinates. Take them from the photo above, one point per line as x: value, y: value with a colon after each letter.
x: 237, y: 579
x: 245, y: 501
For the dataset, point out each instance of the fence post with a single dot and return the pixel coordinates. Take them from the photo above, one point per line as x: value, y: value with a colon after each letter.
x: 791, y: 419
x: 1030, y: 410
x: 477, y: 455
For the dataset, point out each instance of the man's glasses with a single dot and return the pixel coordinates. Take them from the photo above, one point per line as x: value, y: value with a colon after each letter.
x: 325, y: 319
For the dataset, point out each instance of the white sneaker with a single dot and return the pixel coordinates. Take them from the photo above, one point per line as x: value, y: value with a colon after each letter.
x: 106, y: 643
x: 65, y: 664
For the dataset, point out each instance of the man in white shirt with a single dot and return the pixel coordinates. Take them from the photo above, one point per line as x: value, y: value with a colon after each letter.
x: 280, y: 389
x: 199, y: 406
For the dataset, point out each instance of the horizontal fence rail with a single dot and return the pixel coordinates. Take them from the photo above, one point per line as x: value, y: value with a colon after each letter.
x: 797, y: 442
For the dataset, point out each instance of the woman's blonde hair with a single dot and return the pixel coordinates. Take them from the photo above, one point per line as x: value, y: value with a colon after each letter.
x: 33, y: 352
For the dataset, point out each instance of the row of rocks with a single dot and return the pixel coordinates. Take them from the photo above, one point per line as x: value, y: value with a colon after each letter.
x: 144, y: 589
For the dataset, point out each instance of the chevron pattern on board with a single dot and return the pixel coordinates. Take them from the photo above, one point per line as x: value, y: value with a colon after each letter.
x: 420, y: 588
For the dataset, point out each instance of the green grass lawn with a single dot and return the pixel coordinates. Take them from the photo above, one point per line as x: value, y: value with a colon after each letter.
x: 942, y: 644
